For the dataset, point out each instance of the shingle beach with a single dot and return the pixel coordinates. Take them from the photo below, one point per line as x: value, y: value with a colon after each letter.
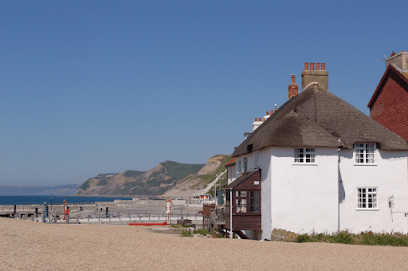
x: 27, y: 245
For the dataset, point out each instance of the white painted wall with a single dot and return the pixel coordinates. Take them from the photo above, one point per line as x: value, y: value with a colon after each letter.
x: 389, y: 175
x: 232, y: 174
x: 304, y: 196
x: 264, y: 163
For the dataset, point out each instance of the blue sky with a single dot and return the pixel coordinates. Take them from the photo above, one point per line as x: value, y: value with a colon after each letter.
x: 89, y: 87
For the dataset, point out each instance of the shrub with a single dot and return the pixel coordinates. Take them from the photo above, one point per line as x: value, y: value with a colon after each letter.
x: 343, y: 237
x: 303, y: 238
x: 186, y: 233
x: 364, y: 238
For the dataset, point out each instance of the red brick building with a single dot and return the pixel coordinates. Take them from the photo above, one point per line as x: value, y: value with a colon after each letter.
x: 389, y: 103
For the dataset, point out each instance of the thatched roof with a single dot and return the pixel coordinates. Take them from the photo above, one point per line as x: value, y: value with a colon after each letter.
x: 317, y: 118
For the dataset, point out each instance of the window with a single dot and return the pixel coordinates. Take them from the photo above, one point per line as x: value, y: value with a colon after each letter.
x: 239, y: 166
x: 254, y: 201
x: 256, y: 158
x: 367, y: 198
x: 240, y: 202
x: 245, y: 164
x: 247, y: 202
x: 364, y: 153
x: 305, y: 156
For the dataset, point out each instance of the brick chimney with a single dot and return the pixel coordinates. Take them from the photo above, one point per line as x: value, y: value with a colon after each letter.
x: 400, y: 60
x: 320, y: 75
x: 293, y: 88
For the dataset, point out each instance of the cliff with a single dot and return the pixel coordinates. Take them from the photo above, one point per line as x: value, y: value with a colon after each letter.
x: 138, y: 183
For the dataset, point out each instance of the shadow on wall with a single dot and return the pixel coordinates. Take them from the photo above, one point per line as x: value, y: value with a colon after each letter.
x: 392, y: 155
x: 342, y: 193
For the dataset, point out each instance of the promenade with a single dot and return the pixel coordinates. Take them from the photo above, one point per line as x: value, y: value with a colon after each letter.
x: 28, y: 245
x: 117, y: 212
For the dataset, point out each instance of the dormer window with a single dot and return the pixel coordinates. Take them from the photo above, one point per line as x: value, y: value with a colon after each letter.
x: 304, y: 156
x: 364, y: 153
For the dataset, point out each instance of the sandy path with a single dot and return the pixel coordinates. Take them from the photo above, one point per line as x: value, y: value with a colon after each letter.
x: 26, y: 245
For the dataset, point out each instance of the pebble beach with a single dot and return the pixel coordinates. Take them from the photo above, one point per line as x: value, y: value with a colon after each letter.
x: 27, y: 245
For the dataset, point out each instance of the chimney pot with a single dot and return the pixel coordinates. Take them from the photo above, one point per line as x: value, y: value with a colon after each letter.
x: 317, y: 66
x: 267, y: 112
x: 270, y: 112
x: 311, y: 66
x: 323, y: 66
x: 256, y: 119
x: 306, y: 66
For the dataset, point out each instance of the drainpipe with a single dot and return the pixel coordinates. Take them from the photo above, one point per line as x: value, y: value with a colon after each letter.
x: 338, y: 205
x: 231, y: 201
x: 340, y: 181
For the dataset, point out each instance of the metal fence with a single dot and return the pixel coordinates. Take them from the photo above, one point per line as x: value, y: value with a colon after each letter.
x: 134, y: 216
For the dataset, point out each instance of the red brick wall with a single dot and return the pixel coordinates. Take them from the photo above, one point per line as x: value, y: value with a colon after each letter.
x: 207, y: 209
x: 391, y: 107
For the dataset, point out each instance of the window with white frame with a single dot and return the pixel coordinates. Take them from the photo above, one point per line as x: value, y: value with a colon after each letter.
x: 364, y: 153
x: 239, y: 166
x: 367, y: 197
x: 245, y: 164
x: 304, y: 156
x: 256, y: 158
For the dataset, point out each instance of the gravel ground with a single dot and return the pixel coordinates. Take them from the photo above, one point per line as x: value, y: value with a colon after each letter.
x: 26, y: 245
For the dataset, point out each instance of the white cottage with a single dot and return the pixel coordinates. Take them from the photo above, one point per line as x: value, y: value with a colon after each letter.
x: 320, y: 165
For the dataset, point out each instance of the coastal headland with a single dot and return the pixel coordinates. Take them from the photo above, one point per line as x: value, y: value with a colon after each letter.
x: 28, y: 245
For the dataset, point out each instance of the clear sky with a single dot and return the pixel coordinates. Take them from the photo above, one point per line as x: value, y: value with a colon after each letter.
x: 89, y: 87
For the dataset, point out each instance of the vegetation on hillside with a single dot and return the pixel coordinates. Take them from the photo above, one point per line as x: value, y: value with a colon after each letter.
x: 179, y: 171
x: 133, y: 173
x: 103, y: 181
x: 85, y: 185
x: 155, y: 183
x: 208, y: 178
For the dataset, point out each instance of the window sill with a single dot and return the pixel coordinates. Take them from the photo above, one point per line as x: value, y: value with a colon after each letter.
x: 305, y: 164
x: 365, y: 165
x: 367, y: 209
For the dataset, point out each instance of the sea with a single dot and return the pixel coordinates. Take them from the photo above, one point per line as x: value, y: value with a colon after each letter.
x: 23, y: 200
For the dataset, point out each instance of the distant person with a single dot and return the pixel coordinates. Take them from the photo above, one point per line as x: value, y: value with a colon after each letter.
x: 50, y: 220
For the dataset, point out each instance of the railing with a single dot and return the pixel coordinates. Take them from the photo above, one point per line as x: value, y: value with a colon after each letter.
x: 133, y: 216
x: 40, y: 207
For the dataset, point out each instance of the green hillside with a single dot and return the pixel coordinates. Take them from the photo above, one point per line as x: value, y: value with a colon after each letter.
x: 133, y: 173
x: 179, y: 171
